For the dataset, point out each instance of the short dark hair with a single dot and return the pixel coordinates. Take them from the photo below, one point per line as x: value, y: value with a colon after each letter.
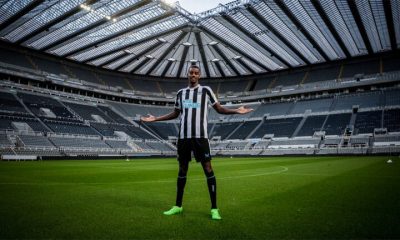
x: 193, y: 66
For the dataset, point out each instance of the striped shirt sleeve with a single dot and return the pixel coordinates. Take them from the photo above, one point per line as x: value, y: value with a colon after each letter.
x: 211, y: 96
x: 178, y: 100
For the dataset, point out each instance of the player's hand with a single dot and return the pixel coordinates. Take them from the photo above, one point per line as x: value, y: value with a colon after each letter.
x: 149, y: 118
x: 243, y: 110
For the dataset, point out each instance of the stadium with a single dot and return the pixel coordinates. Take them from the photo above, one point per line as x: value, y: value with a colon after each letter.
x: 317, y: 158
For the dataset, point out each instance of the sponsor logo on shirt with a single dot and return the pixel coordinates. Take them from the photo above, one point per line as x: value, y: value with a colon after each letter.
x: 190, y: 104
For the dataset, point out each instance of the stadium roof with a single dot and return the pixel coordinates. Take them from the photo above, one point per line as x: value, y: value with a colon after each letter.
x: 243, y: 37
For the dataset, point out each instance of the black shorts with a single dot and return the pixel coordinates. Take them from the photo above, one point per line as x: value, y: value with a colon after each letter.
x: 199, y: 146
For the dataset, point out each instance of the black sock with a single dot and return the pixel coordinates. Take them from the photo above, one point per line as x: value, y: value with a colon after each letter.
x: 212, y: 188
x: 181, y: 182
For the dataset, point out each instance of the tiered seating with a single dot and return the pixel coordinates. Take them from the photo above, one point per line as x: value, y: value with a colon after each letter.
x: 78, y: 142
x: 163, y: 129
x: 392, y: 97
x: 359, y: 141
x: 134, y: 110
x: 224, y: 129
x: 391, y: 120
x: 317, y: 105
x: 113, y: 115
x: 68, y: 128
x: 86, y: 111
x: 311, y: 125
x: 274, y: 109
x: 37, y: 141
x: 35, y: 102
x: 279, y: 127
x: 9, y: 103
x: 4, y: 142
x: 336, y: 123
x: 364, y: 100
x: 295, y: 143
x: 367, y: 121
x: 118, y: 144
x: 244, y: 130
x: 104, y: 129
x: 160, y: 146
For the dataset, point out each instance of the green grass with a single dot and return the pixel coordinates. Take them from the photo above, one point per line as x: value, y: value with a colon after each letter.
x: 259, y: 198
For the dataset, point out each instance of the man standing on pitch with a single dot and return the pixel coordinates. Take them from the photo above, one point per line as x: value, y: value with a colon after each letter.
x: 191, y: 104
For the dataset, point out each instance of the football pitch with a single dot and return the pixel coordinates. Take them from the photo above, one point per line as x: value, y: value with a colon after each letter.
x: 258, y: 198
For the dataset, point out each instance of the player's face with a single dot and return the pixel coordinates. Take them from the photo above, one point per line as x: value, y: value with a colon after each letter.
x: 194, y: 76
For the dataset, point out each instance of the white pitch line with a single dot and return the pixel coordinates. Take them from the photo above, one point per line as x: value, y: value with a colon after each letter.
x: 284, y: 169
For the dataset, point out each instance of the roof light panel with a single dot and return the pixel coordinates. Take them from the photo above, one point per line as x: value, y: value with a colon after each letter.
x: 264, y: 36
x: 308, y: 16
x: 135, y: 18
x: 134, y: 36
x: 277, y: 18
x: 208, y: 52
x: 344, y: 23
x: 137, y: 49
x: 12, y: 7
x: 82, y: 20
x: 231, y: 55
x: 335, y: 16
x: 120, y: 61
x: 231, y: 37
x: 373, y: 17
x: 106, y: 58
x: 46, y: 15
x: 396, y: 19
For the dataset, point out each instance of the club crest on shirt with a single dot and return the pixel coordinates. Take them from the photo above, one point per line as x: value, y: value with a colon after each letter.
x: 190, y: 104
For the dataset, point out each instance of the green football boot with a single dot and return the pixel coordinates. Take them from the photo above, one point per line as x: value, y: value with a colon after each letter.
x: 174, y: 210
x: 215, y: 214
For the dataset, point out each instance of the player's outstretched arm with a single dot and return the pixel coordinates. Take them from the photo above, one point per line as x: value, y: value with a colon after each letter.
x: 169, y: 116
x: 223, y: 110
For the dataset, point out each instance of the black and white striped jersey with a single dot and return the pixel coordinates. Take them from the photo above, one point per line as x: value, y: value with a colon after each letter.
x: 193, y: 106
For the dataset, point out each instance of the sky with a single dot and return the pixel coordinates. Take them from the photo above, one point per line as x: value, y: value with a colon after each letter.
x: 198, y: 6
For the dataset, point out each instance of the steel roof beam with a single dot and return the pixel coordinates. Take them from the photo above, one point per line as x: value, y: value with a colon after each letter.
x: 238, y: 50
x: 137, y: 56
x: 276, y: 33
x: 244, y: 64
x: 182, y: 62
x: 202, y: 53
x: 256, y: 40
x: 390, y: 24
x: 96, y: 43
x: 166, y: 68
x: 21, y: 13
x: 135, y: 43
x: 218, y: 65
x: 140, y: 65
x: 95, y: 25
x: 360, y: 25
x: 53, y: 22
x: 328, y: 23
x: 166, y: 52
x: 219, y: 51
x: 305, y: 32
